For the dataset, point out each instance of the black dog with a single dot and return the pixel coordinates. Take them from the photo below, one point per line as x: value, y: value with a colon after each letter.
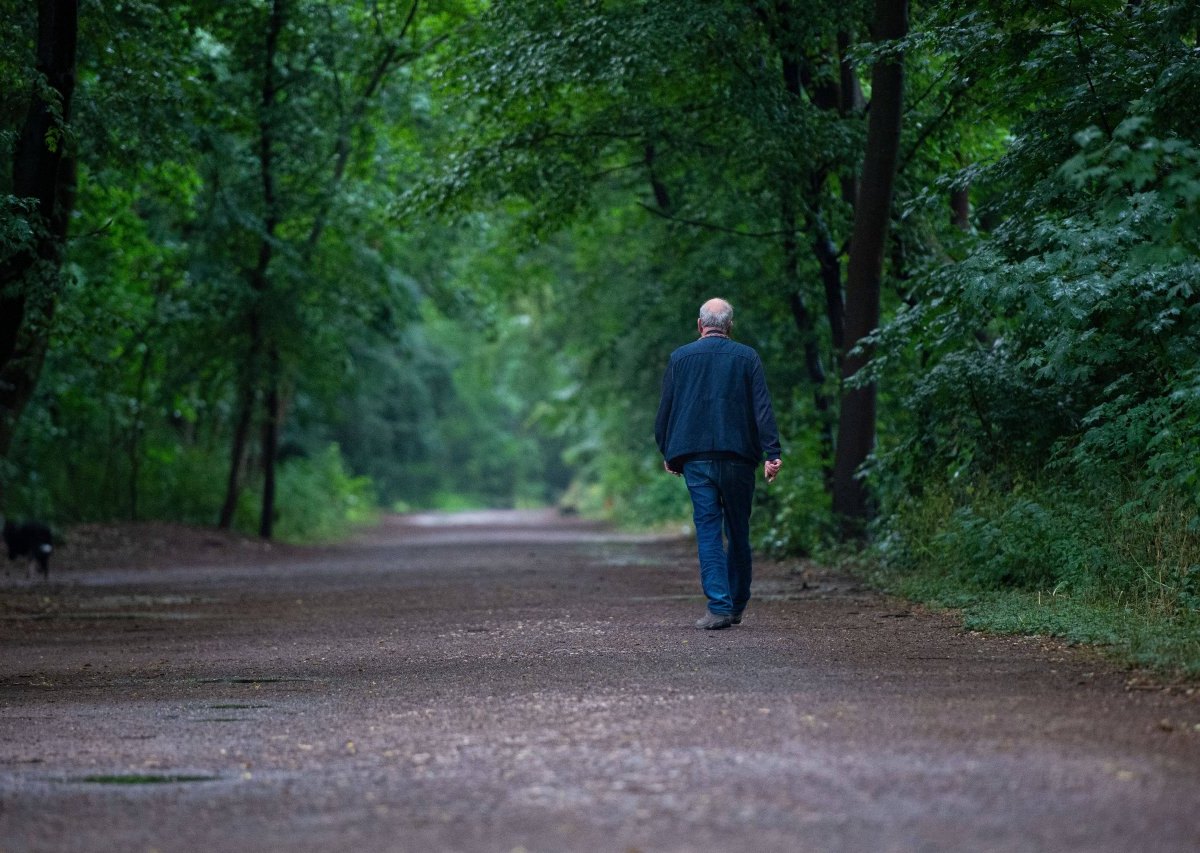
x: 31, y: 539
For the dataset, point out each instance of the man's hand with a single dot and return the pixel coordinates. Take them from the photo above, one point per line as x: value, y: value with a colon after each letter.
x: 667, y: 467
x: 771, y: 468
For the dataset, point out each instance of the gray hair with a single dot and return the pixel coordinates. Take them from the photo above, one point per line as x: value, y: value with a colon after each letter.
x: 721, y: 318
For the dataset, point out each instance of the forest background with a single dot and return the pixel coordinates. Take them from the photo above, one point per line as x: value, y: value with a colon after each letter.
x: 275, y: 264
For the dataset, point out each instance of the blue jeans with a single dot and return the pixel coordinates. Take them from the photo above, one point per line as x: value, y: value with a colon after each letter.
x: 722, y: 494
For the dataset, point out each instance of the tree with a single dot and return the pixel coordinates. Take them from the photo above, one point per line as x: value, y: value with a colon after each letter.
x: 310, y: 94
x: 872, y: 215
x: 39, y: 208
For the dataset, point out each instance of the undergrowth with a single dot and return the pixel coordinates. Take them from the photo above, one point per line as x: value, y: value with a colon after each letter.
x: 1097, y: 565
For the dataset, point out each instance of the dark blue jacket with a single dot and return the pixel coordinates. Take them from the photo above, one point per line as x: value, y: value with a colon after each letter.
x: 715, y: 401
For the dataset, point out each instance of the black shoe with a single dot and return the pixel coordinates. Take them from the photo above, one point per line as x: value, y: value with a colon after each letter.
x: 735, y: 619
x: 714, y: 622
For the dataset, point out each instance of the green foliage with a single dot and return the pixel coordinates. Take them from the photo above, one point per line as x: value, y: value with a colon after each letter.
x: 319, y: 500
x: 1041, y: 471
x: 1066, y: 339
x: 792, y: 516
x: 1048, y: 558
x: 1164, y: 641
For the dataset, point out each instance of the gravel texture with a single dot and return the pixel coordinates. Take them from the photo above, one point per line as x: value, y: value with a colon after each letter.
x: 515, y: 681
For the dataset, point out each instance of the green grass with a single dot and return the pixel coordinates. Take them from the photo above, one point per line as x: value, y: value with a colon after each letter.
x: 1140, y: 632
x: 1112, y: 565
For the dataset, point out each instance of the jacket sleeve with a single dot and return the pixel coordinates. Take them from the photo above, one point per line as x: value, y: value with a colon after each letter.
x: 664, y: 408
x: 764, y: 415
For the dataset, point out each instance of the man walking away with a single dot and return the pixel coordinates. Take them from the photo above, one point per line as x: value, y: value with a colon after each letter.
x: 714, y: 424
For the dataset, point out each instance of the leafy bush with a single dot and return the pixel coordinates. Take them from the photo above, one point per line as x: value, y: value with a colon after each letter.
x: 1051, y: 537
x: 182, y: 484
x: 642, y: 495
x: 319, y: 500
x: 1044, y: 474
x: 1058, y: 559
x: 793, y: 515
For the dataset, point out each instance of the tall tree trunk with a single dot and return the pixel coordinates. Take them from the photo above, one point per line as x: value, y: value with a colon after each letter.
x: 849, y: 103
x: 872, y: 214
x: 261, y: 282
x: 44, y: 172
x: 270, y: 445
x: 259, y: 279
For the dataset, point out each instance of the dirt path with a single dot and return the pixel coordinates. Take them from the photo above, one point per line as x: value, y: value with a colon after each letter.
x: 523, y: 683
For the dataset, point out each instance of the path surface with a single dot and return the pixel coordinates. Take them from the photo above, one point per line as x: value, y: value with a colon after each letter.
x: 514, y: 682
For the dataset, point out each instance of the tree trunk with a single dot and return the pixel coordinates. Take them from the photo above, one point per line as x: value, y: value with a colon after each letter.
x: 261, y: 281
x: 872, y: 213
x: 137, y: 429
x: 831, y: 278
x: 270, y: 445
x: 241, y: 432
x: 44, y: 172
x: 849, y: 103
x: 258, y: 279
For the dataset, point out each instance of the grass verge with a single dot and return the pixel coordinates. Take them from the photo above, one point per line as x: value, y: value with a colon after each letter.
x: 1168, y: 643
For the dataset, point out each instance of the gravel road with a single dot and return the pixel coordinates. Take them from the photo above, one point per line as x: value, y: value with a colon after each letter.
x: 514, y: 681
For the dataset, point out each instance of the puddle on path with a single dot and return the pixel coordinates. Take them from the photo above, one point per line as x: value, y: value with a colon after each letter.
x: 221, y: 720
x: 142, y: 779
x: 265, y: 679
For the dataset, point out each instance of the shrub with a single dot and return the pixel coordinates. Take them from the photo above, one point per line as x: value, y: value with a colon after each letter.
x: 319, y: 500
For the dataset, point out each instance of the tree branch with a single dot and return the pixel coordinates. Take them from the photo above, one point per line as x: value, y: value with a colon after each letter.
x: 710, y: 226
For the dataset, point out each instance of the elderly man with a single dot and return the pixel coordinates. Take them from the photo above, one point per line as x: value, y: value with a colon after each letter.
x: 714, y: 424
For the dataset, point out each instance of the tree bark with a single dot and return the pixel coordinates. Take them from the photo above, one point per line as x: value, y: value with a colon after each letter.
x: 44, y: 173
x: 872, y: 214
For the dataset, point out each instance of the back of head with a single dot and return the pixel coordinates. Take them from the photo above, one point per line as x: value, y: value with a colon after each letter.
x: 717, y: 314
